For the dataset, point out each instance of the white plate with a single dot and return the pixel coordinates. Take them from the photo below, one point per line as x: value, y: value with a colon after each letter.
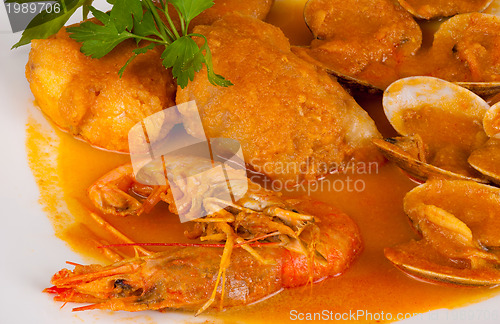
x: 30, y: 251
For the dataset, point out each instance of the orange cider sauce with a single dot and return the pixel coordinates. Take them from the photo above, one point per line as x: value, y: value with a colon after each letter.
x: 289, y: 17
x: 372, y: 285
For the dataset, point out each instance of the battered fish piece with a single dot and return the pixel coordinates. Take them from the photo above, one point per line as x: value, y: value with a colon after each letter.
x: 253, y: 8
x: 294, y: 122
x: 86, y: 96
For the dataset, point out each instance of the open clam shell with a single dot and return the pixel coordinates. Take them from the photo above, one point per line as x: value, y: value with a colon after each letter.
x: 406, y: 97
x: 445, y: 117
x: 417, y: 262
x: 491, y: 121
x: 361, y: 53
x: 353, y: 19
x: 354, y: 39
x: 412, y: 165
x: 460, y: 227
x: 470, y: 45
x: 486, y: 159
x: 477, y: 205
x: 483, y: 89
x: 348, y: 82
x: 432, y: 9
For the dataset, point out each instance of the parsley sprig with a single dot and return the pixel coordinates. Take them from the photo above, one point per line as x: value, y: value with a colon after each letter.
x: 141, y: 20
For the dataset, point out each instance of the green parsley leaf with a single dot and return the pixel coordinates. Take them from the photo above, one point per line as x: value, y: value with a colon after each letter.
x: 177, y: 56
x: 146, y: 26
x: 191, y: 8
x: 123, y: 13
x: 215, y: 79
x: 99, y: 15
x: 98, y: 40
x: 86, y: 6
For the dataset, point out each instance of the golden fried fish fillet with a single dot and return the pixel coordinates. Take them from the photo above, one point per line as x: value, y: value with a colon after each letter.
x: 293, y: 121
x: 253, y: 8
x: 86, y: 96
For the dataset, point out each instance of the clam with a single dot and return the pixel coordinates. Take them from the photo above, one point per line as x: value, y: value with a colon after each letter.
x: 491, y: 121
x: 486, y: 159
x: 350, y: 83
x: 358, y: 40
x: 460, y: 229
x: 369, y: 44
x: 483, y: 89
x: 441, y: 124
x: 431, y: 9
x: 401, y: 150
x: 469, y: 44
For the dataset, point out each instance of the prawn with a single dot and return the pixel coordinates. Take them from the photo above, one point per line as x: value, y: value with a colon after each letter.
x: 269, y: 243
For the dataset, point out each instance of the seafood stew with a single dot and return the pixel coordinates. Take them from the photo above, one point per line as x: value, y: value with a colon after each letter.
x: 386, y: 225
x: 301, y: 237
